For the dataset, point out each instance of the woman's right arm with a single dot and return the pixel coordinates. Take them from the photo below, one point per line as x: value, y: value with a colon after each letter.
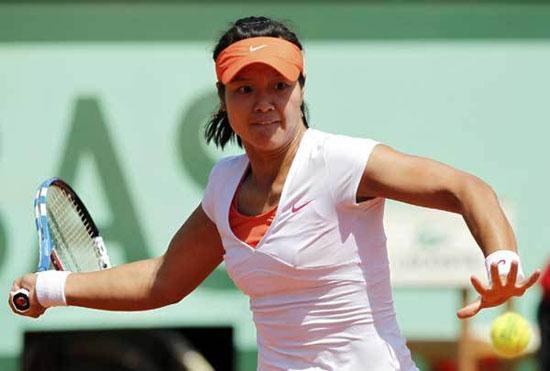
x: 194, y: 252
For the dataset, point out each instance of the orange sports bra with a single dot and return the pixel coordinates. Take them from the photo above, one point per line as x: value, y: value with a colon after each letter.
x: 249, y: 229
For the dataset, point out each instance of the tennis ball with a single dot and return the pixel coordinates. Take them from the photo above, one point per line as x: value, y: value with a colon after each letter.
x: 510, y: 334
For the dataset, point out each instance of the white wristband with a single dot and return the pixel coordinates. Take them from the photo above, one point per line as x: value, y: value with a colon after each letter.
x: 50, y: 288
x: 503, y: 259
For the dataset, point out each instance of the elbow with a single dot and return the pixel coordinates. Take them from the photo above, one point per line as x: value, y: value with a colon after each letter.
x: 473, y: 189
x: 160, y: 297
x: 161, y: 292
x: 170, y: 299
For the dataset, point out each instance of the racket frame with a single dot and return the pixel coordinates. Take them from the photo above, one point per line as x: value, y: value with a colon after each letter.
x: 47, y: 253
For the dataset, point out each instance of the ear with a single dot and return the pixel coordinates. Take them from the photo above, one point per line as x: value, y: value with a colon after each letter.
x: 221, y: 94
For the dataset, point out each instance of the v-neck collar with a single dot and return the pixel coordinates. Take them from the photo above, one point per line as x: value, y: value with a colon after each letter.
x: 238, y: 179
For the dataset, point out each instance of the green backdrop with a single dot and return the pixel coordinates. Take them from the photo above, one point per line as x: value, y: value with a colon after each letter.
x: 113, y: 98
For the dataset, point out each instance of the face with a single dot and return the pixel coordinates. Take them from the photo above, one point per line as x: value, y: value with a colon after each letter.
x: 264, y: 108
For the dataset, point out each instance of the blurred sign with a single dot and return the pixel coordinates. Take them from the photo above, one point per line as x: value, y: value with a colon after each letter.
x: 431, y: 247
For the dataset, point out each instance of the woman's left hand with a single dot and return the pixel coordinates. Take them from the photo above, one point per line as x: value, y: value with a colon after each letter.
x: 501, y: 289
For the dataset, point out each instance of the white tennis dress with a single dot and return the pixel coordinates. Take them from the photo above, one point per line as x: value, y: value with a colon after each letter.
x: 319, y: 280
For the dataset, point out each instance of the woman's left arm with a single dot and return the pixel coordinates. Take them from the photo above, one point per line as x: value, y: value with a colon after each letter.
x: 428, y: 183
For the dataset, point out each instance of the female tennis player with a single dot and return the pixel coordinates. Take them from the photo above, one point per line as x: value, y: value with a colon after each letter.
x: 298, y: 221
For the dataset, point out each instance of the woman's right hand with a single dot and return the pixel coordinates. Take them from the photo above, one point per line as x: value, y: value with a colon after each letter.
x: 27, y: 282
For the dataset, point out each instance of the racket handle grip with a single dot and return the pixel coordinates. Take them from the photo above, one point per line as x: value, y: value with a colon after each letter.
x: 21, y: 300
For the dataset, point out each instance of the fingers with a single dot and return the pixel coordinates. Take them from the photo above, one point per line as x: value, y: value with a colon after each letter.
x: 530, y: 281
x: 490, y: 296
x: 469, y: 310
x: 36, y: 313
x: 495, y: 277
x: 16, y: 285
x: 513, y: 274
x: 28, y: 283
x: 482, y: 290
x: 498, y: 292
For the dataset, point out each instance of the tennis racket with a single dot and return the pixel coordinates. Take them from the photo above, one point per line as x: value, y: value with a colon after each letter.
x: 68, y: 237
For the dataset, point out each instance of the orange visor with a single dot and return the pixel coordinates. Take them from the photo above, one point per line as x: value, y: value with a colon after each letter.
x: 278, y: 53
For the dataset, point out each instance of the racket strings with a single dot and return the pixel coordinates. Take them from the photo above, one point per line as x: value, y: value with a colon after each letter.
x: 71, y: 232
x: 68, y: 242
x: 74, y: 241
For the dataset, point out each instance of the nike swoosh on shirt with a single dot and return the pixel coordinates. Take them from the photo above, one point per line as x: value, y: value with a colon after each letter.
x: 254, y: 48
x: 298, y: 208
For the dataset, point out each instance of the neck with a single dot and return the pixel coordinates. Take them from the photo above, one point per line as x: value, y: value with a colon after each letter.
x: 269, y: 168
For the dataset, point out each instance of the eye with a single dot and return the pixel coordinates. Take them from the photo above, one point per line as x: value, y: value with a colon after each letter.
x: 281, y: 85
x: 244, y: 89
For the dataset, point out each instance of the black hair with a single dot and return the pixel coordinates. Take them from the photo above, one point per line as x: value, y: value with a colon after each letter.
x: 218, y: 128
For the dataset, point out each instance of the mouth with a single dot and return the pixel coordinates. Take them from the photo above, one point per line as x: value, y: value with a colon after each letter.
x: 266, y: 123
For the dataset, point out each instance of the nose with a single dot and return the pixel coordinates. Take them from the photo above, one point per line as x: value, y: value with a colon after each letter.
x: 263, y: 103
